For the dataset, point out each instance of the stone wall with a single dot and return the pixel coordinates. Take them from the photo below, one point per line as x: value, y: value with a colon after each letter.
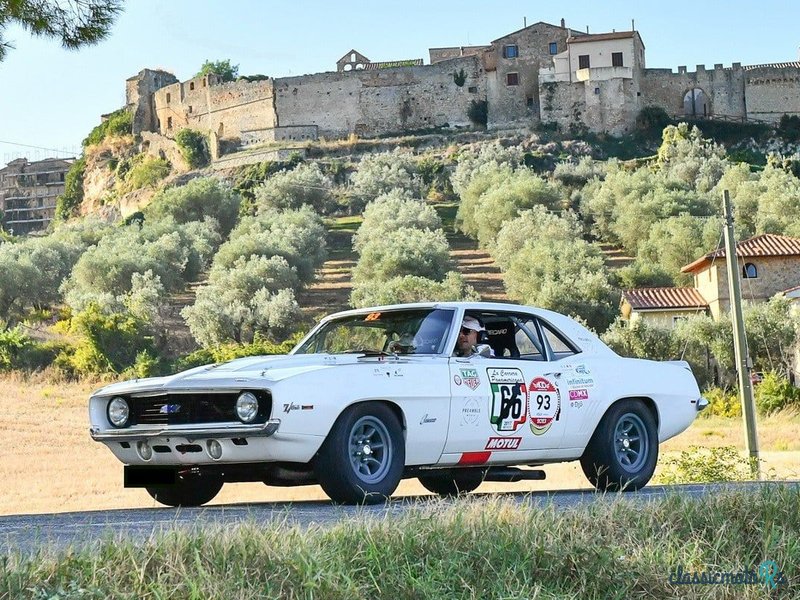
x: 275, y: 134
x: 139, y: 92
x: 772, y: 92
x: 370, y: 103
x: 775, y: 274
x: 207, y: 105
x: 723, y: 88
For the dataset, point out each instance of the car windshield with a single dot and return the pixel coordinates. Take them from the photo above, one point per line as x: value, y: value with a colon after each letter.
x: 415, y: 331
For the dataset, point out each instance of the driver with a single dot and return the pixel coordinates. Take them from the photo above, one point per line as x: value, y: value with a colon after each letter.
x: 467, y: 344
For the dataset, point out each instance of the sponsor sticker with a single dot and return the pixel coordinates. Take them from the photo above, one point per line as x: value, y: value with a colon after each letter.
x: 287, y: 408
x: 545, y: 405
x: 470, y: 412
x: 470, y: 377
x: 580, y: 382
x: 581, y: 394
x: 456, y: 379
x: 582, y: 370
x: 503, y: 443
x: 427, y: 419
x: 509, y: 404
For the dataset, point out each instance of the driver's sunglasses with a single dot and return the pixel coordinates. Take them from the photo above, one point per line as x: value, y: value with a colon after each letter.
x: 465, y: 330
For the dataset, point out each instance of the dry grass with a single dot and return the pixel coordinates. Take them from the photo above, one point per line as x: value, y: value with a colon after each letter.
x: 50, y: 464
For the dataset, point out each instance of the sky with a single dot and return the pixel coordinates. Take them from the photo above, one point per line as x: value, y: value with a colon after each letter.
x: 52, y: 98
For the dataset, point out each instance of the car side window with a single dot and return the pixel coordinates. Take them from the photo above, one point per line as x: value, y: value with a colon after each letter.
x: 530, y: 348
x: 559, y: 345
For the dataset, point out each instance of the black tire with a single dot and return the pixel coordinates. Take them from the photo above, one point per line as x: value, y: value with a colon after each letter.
x: 192, y: 491
x: 623, y: 451
x: 453, y: 484
x: 362, y: 459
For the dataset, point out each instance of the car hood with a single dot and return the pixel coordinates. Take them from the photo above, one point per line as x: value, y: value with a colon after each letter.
x: 254, y: 370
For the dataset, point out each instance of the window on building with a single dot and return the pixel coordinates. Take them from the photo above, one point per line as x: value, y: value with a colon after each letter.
x: 191, y: 85
x: 749, y: 271
x: 190, y: 108
x: 169, y: 122
x: 616, y: 59
x: 510, y: 51
x: 583, y: 61
x: 168, y: 97
x: 512, y: 78
x: 473, y: 89
x: 596, y: 91
x: 529, y: 101
x: 553, y: 47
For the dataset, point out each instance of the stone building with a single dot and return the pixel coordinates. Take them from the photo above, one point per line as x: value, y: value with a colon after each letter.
x: 769, y: 264
x: 543, y: 73
x: 28, y: 193
x: 662, y: 307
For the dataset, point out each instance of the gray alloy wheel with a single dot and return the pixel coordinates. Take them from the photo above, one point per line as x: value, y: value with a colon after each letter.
x: 363, y: 457
x: 623, y: 451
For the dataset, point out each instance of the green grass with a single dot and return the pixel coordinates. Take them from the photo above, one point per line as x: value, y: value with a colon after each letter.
x: 475, y: 548
x: 350, y: 224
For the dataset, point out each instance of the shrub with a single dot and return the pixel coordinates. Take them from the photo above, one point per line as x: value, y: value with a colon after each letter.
x: 108, y: 343
x: 637, y: 339
x: 200, y: 198
x: 221, y: 315
x: 391, y: 212
x: 563, y: 274
x: 722, y: 403
x: 485, y: 156
x: 382, y: 173
x: 789, y: 128
x: 411, y: 288
x: 705, y: 465
x: 118, y: 123
x: 231, y: 351
x: 297, y: 235
x: 305, y: 185
x: 478, y: 112
x: 67, y: 203
x: 194, y: 147
x: 652, y: 120
x: 147, y: 171
x: 408, y: 252
x: 12, y: 343
x: 775, y: 393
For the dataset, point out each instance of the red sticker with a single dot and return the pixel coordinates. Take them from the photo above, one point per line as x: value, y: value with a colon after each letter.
x: 474, y: 458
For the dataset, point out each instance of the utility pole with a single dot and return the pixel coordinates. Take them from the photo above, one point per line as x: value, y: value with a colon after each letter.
x: 740, y: 341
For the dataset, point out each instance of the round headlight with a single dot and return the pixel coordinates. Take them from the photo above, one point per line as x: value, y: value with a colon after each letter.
x: 118, y: 412
x: 246, y: 407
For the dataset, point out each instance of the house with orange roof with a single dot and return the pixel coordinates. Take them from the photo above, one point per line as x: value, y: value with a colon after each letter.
x: 769, y: 264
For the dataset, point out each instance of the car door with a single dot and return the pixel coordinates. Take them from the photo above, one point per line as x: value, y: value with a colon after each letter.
x: 505, y: 406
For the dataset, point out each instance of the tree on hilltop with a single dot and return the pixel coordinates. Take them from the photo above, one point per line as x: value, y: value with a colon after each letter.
x: 76, y: 23
x: 221, y: 68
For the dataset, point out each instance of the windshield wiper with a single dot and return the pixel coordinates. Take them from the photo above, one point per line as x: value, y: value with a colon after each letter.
x: 368, y: 352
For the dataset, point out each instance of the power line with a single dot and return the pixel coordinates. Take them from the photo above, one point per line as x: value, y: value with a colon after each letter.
x: 37, y: 147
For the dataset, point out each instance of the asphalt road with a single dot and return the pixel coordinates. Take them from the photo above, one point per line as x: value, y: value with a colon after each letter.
x: 27, y: 533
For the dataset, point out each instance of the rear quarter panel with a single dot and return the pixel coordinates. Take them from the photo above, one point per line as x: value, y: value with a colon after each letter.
x: 605, y: 380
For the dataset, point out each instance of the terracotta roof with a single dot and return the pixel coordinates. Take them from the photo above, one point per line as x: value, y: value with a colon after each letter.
x: 785, y: 65
x: 792, y: 290
x: 766, y: 244
x: 599, y: 37
x: 665, y: 297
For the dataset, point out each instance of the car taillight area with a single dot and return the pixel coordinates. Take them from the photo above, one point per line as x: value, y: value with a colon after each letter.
x: 195, y: 408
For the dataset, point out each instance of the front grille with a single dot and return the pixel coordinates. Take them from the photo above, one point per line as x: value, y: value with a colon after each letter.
x: 192, y: 409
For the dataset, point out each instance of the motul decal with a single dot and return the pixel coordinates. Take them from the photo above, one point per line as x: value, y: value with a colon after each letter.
x: 503, y: 443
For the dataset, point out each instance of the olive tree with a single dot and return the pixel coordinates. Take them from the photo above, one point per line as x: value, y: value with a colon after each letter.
x: 306, y: 184
x: 391, y: 212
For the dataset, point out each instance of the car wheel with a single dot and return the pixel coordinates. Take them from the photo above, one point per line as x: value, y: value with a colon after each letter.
x: 623, y: 451
x: 192, y: 491
x: 453, y: 484
x: 362, y: 459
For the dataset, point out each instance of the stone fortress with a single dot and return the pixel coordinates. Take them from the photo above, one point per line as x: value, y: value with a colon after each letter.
x: 542, y: 73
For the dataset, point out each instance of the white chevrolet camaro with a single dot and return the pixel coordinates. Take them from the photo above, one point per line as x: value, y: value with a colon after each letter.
x: 372, y: 396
